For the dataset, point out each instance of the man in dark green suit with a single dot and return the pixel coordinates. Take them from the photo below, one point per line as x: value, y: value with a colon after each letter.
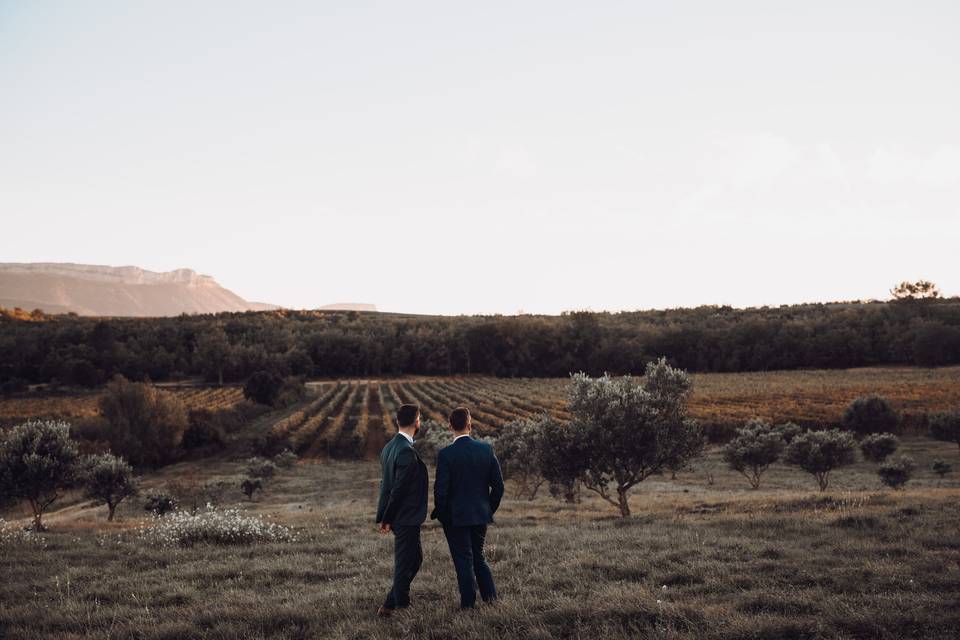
x: 402, y: 507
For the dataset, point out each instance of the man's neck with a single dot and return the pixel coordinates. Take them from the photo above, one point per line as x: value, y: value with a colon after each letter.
x: 408, y: 432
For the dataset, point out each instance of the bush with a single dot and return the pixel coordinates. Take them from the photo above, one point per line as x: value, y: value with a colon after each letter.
x: 896, y: 474
x: 871, y: 414
x: 249, y: 486
x: 263, y: 387
x: 556, y: 456
x: 516, y: 449
x: 292, y: 390
x: 38, y: 460
x: 285, y: 459
x: 145, y: 424
x: 821, y: 452
x: 206, y: 430
x: 192, y: 494
x: 879, y: 446
x: 159, y: 504
x: 433, y: 436
x: 753, y: 450
x: 213, y: 526
x: 271, y: 443
x: 108, y: 480
x: 260, y: 468
x: 946, y: 426
x: 941, y: 468
x: 789, y: 431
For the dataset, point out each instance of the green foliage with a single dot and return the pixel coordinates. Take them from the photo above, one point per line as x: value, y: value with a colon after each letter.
x: 159, y: 504
x: 38, y: 461
x: 432, y: 437
x: 627, y: 431
x: 249, y: 486
x: 108, y: 480
x: 896, y: 474
x: 517, y: 450
x: 821, y: 452
x: 145, y: 425
x: 789, y: 431
x: 261, y: 469
x: 339, y: 344
x: 879, y: 446
x: 946, y: 427
x: 206, y: 429
x: 942, y: 468
x: 755, y: 447
x: 263, y: 387
x: 871, y: 414
x: 285, y: 459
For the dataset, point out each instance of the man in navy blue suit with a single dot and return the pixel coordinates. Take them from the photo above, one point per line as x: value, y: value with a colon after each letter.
x: 467, y: 492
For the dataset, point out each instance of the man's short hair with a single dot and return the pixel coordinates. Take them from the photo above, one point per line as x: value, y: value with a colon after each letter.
x: 407, y: 415
x: 460, y: 418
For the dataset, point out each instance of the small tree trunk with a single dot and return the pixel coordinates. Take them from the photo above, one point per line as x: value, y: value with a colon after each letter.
x: 37, y: 515
x: 622, y: 501
x: 110, y: 509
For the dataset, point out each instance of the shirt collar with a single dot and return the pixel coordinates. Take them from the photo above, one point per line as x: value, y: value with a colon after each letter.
x: 409, y: 438
x: 462, y: 435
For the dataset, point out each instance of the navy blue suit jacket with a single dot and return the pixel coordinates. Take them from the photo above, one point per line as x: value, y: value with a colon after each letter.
x: 469, y: 485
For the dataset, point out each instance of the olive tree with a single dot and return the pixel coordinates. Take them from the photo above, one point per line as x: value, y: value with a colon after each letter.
x: 628, y: 430
x: 896, y: 474
x: 821, y: 452
x: 879, y: 446
x: 946, y: 426
x: 941, y: 468
x: 108, y: 480
x: 516, y: 449
x: 38, y: 461
x: 871, y: 414
x: 756, y: 446
x: 557, y: 457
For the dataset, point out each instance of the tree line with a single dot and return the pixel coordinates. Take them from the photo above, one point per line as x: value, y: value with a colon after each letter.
x: 79, y: 351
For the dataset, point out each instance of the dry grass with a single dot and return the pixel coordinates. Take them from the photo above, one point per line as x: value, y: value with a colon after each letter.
x: 696, y: 561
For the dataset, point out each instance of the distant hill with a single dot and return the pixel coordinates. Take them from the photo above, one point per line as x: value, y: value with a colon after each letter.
x: 94, y: 290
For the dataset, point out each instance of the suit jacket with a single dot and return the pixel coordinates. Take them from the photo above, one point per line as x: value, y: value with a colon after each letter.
x: 403, y: 484
x: 469, y: 484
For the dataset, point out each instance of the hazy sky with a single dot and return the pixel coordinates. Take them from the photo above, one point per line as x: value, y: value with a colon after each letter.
x: 461, y: 157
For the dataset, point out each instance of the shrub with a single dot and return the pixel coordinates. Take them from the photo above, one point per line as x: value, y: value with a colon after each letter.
x: 249, y: 486
x: 941, y: 468
x: 145, y: 424
x: 193, y: 494
x: 896, y: 474
x: 879, y: 446
x: 433, y: 436
x: 821, y: 452
x: 292, y: 390
x: 946, y: 427
x: 871, y: 414
x: 755, y: 447
x: 260, y: 468
x: 263, y: 387
x: 556, y: 457
x: 38, y: 460
x: 108, y: 480
x: 789, y: 431
x: 271, y: 443
x: 159, y: 504
x: 213, y: 526
x: 516, y: 449
x: 285, y: 459
x: 205, y: 430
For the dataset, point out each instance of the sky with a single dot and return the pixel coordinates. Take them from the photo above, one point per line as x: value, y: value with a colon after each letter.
x: 489, y: 157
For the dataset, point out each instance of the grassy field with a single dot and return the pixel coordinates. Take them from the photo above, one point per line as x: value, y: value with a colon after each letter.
x: 696, y: 561
x: 702, y: 557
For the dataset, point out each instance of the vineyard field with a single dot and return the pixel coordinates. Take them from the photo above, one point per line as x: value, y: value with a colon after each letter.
x: 353, y: 418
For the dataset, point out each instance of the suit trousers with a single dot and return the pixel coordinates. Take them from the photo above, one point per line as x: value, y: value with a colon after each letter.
x: 466, y: 549
x: 407, y: 558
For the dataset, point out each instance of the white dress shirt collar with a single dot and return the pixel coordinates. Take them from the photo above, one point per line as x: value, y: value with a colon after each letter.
x: 408, y: 437
x: 462, y: 435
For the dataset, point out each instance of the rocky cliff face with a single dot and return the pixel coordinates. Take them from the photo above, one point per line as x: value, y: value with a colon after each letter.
x: 114, y: 291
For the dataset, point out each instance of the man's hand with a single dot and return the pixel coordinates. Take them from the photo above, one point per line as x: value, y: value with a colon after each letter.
x: 384, y: 527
